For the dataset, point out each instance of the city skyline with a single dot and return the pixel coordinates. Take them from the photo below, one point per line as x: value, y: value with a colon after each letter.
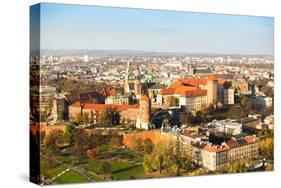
x: 91, y: 27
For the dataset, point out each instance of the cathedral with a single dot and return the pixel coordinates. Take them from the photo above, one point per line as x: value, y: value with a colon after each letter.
x: 133, y: 83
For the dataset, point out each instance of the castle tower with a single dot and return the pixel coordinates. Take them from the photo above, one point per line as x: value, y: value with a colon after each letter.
x: 145, y: 112
x: 137, y: 87
x: 212, y: 89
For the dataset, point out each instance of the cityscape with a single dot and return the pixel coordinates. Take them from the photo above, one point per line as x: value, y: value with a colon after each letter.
x: 124, y: 113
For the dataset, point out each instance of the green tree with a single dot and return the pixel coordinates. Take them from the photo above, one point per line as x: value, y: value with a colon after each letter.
x: 103, y: 118
x: 68, y: 135
x: 148, y: 163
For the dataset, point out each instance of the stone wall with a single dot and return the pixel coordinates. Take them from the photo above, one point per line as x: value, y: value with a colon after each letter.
x: 129, y: 138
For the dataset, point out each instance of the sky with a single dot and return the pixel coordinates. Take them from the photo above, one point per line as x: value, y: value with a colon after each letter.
x: 106, y: 28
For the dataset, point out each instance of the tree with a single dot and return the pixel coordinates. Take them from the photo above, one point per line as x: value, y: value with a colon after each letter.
x: 85, y: 118
x: 115, y: 141
x: 82, y: 141
x: 267, y: 148
x: 234, y: 113
x: 171, y: 101
x: 184, y: 118
x: 137, y: 143
x: 148, y: 146
x: 164, y: 158
x: 247, y: 104
x: 269, y: 167
x: 68, y: 135
x: 108, y: 117
x: 103, y: 117
x: 147, y: 163
x: 268, y: 91
x: 198, y: 117
x: 105, y: 167
x: 198, y: 172
x: 238, y: 166
x: 52, y: 149
x: 78, y: 118
x: 53, y: 141
x: 91, y: 154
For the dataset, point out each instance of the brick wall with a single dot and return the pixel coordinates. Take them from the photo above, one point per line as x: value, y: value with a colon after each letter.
x: 154, y: 136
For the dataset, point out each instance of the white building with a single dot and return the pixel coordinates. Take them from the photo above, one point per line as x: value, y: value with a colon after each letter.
x: 85, y: 59
x: 227, y: 126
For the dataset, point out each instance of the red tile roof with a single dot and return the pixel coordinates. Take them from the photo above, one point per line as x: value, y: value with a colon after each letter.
x: 212, y: 77
x: 216, y: 148
x: 251, y: 139
x: 184, y: 91
x: 232, y: 144
x: 144, y: 98
x: 195, y: 93
x: 104, y: 106
x: 196, y: 81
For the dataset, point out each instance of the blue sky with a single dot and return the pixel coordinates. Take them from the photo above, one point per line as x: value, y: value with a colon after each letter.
x: 105, y: 28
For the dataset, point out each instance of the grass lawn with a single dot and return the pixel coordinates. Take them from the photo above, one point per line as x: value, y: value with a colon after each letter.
x: 70, y: 177
x: 50, y: 172
x: 118, y: 165
x: 135, y: 171
x: 137, y: 159
x: 122, y: 166
x: 92, y: 165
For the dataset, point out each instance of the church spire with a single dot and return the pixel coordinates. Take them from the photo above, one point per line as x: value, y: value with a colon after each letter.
x: 129, y: 71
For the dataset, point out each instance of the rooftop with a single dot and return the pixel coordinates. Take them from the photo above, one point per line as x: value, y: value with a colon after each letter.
x: 104, y: 106
x: 184, y: 91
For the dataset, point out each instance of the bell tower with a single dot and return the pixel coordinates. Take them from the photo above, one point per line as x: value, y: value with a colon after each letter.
x: 137, y: 87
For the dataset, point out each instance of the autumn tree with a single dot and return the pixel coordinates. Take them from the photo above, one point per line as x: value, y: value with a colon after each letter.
x: 53, y: 141
x: 171, y: 101
x: 237, y: 166
x: 105, y: 167
x: 268, y: 91
x: 137, y: 144
x: 267, y: 147
x: 52, y: 149
x: 164, y: 159
x: 198, y: 172
x: 184, y: 120
x: 82, y: 142
x: 115, y: 141
x: 148, y: 146
x: 108, y: 117
x: 86, y: 118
